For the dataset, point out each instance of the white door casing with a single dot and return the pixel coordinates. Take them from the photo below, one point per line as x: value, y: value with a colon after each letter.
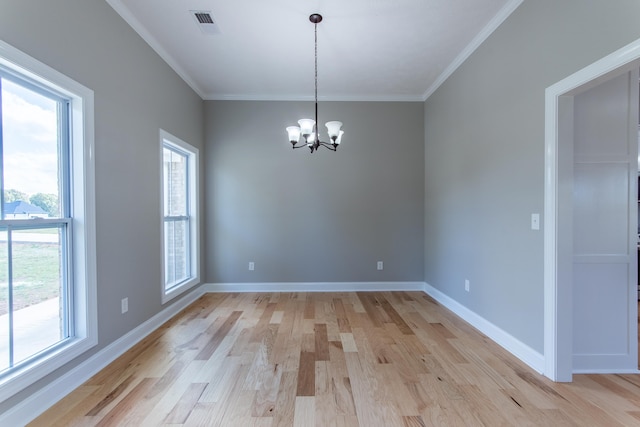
x: 559, y: 229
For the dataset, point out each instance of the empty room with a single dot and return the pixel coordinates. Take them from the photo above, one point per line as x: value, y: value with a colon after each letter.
x: 363, y: 213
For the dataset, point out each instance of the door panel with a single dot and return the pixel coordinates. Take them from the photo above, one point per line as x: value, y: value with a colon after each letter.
x: 601, y: 193
x: 605, y: 283
x: 602, y: 119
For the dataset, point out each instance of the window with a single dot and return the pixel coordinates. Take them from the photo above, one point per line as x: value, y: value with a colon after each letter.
x: 180, y: 219
x: 47, y: 235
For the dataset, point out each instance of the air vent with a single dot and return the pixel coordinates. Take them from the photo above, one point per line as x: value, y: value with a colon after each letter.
x: 203, y: 17
x: 205, y: 21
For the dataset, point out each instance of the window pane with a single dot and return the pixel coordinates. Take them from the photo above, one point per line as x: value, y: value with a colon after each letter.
x: 175, y: 183
x: 37, y: 290
x: 176, y: 244
x: 30, y: 153
x: 179, y: 163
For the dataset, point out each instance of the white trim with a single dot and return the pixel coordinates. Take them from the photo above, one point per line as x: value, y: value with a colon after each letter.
x: 314, y: 287
x: 34, y: 405
x: 323, y: 98
x: 193, y: 159
x: 44, y: 398
x: 514, y: 346
x: 47, y: 396
x: 557, y: 362
x: 607, y: 371
x: 497, y: 20
x: 83, y: 201
x: 550, y: 240
x: 135, y: 24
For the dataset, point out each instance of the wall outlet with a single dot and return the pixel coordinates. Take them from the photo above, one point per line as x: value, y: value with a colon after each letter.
x: 252, y: 266
x: 467, y: 285
x: 124, y: 305
x: 380, y: 265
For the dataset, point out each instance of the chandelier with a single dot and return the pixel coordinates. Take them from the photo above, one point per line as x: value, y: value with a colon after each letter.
x: 308, y: 128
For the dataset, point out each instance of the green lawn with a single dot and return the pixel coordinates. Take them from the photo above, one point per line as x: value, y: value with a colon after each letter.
x: 36, y: 274
x: 38, y: 231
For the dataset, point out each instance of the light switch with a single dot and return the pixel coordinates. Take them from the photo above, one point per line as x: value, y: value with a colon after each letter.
x: 535, y: 221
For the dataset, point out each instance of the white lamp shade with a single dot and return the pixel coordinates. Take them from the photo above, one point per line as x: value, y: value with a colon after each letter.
x: 339, y: 137
x: 333, y: 128
x: 306, y: 126
x: 294, y: 133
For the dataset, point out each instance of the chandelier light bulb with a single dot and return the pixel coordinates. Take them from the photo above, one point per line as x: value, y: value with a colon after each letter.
x: 306, y: 127
x: 294, y: 134
x: 333, y: 129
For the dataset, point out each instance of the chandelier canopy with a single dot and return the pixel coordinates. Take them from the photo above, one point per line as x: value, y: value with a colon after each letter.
x: 308, y: 128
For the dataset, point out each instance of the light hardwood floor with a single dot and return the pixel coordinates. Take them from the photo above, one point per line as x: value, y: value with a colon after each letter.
x: 333, y: 359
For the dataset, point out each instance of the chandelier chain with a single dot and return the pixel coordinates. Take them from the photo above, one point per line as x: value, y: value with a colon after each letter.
x: 315, y: 32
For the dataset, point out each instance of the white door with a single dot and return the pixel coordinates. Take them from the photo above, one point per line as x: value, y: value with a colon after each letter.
x: 604, y: 227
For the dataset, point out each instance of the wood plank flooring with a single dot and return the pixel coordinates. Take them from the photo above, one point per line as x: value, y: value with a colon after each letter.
x: 333, y: 359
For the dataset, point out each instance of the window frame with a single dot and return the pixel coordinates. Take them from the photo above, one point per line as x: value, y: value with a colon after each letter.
x: 82, y: 259
x: 193, y: 190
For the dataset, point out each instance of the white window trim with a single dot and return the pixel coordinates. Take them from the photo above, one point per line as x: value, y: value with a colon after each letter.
x: 194, y: 192
x: 83, y: 208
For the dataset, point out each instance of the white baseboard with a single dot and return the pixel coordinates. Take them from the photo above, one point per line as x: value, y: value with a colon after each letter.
x: 514, y: 346
x: 41, y: 400
x: 520, y: 350
x: 314, y: 287
x: 607, y: 371
x: 47, y: 396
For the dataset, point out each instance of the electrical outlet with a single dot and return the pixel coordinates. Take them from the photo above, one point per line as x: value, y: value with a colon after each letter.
x: 380, y: 265
x: 467, y: 285
x: 124, y: 305
x: 252, y: 266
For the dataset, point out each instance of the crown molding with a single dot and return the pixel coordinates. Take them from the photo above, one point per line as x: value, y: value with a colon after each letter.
x: 140, y: 29
x: 497, y: 20
x: 352, y: 98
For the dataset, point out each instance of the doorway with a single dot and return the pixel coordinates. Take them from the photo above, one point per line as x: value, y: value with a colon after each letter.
x: 559, y: 257
x: 604, y: 223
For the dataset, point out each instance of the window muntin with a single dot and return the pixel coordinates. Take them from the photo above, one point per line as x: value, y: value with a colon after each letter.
x: 179, y: 162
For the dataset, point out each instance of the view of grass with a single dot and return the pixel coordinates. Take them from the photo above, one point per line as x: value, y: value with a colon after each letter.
x: 36, y: 273
x: 38, y: 231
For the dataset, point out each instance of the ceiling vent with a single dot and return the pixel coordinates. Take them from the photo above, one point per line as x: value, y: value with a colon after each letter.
x: 205, y: 21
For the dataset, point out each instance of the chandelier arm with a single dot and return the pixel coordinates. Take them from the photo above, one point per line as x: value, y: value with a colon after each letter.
x: 332, y: 147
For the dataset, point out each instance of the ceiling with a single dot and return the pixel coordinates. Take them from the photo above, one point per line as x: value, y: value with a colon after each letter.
x: 382, y: 50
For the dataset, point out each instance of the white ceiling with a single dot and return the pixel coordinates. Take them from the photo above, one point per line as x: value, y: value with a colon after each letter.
x: 386, y: 50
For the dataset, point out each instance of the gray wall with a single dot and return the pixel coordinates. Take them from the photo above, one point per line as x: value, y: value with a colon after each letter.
x: 484, y: 155
x: 329, y: 216
x: 136, y: 93
x: 321, y: 217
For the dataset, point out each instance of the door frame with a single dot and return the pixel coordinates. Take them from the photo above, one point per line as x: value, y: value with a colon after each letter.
x: 558, y: 292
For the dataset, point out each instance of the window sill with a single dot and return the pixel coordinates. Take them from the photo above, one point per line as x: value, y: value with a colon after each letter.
x: 31, y: 372
x: 180, y: 289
